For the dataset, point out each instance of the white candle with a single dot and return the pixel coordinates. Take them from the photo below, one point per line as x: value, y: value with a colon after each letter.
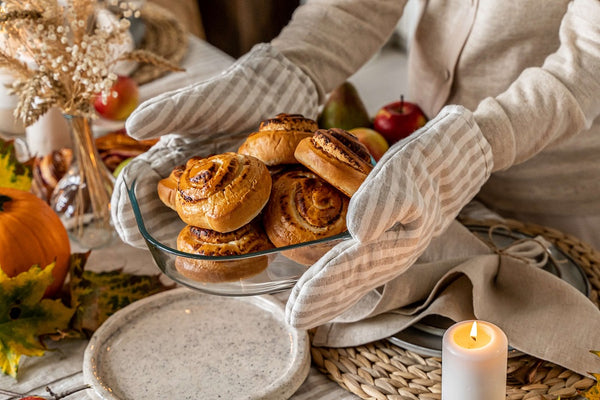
x: 474, y: 359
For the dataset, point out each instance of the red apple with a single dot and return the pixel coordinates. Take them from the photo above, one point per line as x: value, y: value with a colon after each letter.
x: 399, y: 119
x: 122, y: 99
x: 373, y: 141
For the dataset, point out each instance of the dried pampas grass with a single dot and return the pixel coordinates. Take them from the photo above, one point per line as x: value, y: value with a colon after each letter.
x: 60, y: 57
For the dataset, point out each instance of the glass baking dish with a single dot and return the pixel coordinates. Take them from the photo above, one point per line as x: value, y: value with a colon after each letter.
x: 281, y: 272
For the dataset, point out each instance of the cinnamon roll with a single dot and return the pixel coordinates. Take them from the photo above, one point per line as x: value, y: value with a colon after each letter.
x: 48, y: 170
x: 247, y: 239
x: 223, y: 192
x: 336, y: 156
x: 302, y: 208
x: 277, y: 138
x: 167, y: 187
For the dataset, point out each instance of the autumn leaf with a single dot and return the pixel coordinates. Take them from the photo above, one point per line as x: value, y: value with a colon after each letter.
x: 593, y: 393
x: 25, y: 316
x: 98, y: 295
x: 13, y: 173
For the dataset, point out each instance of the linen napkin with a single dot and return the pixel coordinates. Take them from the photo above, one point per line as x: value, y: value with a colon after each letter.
x: 460, y: 277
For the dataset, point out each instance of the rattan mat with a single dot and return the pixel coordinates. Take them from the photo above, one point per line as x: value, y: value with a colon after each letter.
x: 163, y: 35
x: 382, y: 370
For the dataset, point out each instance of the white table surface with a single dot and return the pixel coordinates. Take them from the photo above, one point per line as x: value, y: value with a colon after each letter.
x: 61, y: 368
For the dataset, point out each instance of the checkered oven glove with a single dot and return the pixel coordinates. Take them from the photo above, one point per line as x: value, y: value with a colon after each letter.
x: 411, y: 196
x: 205, y: 115
x: 258, y: 86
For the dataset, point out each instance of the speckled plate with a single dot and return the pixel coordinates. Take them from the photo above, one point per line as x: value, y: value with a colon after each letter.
x: 183, y: 344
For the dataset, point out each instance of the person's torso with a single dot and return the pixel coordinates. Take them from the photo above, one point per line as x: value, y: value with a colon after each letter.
x: 466, y: 50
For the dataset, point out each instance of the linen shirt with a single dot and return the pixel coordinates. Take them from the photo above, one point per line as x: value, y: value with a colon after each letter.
x: 530, y: 71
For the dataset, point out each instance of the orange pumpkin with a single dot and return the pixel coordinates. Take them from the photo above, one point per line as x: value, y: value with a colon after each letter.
x: 32, y: 234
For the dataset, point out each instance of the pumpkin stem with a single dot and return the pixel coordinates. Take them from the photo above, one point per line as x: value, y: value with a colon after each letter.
x: 3, y: 199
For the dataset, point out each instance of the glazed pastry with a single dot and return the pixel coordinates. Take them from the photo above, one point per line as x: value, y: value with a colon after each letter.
x: 48, y: 170
x: 223, y: 192
x: 302, y: 208
x: 117, y: 146
x: 248, y: 239
x: 277, y: 138
x: 336, y: 156
x: 167, y: 187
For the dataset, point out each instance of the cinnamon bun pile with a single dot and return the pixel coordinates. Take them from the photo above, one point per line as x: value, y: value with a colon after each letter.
x: 288, y: 183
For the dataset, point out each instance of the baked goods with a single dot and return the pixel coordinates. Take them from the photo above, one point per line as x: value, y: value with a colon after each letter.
x: 167, y: 187
x: 48, y: 170
x: 247, y: 239
x: 303, y: 207
x: 117, y: 146
x: 277, y: 138
x: 218, y: 196
x: 336, y: 156
x: 223, y: 192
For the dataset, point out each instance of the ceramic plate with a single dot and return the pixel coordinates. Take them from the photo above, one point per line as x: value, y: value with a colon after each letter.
x: 183, y: 344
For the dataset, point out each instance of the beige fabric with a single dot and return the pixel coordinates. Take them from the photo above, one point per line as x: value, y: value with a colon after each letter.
x: 536, y: 111
x: 461, y: 278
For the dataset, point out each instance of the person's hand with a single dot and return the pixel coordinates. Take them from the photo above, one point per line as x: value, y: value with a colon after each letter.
x: 260, y: 85
x: 411, y: 196
x: 205, y: 117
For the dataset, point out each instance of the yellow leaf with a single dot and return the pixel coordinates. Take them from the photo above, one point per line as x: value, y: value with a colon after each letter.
x: 13, y: 173
x: 593, y: 393
x: 25, y: 316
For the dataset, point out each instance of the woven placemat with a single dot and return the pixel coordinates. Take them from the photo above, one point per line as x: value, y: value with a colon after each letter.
x: 163, y: 35
x: 384, y: 371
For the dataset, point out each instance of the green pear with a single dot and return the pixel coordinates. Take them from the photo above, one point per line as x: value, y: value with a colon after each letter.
x: 344, y: 109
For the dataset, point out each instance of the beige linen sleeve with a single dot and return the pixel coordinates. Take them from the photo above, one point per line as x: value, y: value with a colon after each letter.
x: 552, y: 103
x: 331, y: 39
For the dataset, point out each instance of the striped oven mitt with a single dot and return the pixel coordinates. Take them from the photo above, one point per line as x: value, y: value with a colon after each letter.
x: 258, y: 86
x: 412, y: 195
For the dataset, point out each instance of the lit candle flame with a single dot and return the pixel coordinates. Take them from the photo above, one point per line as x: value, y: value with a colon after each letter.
x: 474, y: 331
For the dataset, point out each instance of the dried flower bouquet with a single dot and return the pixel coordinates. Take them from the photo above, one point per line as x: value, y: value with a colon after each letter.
x: 60, y: 56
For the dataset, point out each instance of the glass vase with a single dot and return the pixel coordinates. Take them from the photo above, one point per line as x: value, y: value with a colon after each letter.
x: 82, y: 196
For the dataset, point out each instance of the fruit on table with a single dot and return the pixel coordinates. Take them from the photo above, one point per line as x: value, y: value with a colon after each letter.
x: 122, y: 165
x: 397, y: 120
x: 373, y: 141
x: 32, y: 234
x: 344, y: 109
x: 121, y: 100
